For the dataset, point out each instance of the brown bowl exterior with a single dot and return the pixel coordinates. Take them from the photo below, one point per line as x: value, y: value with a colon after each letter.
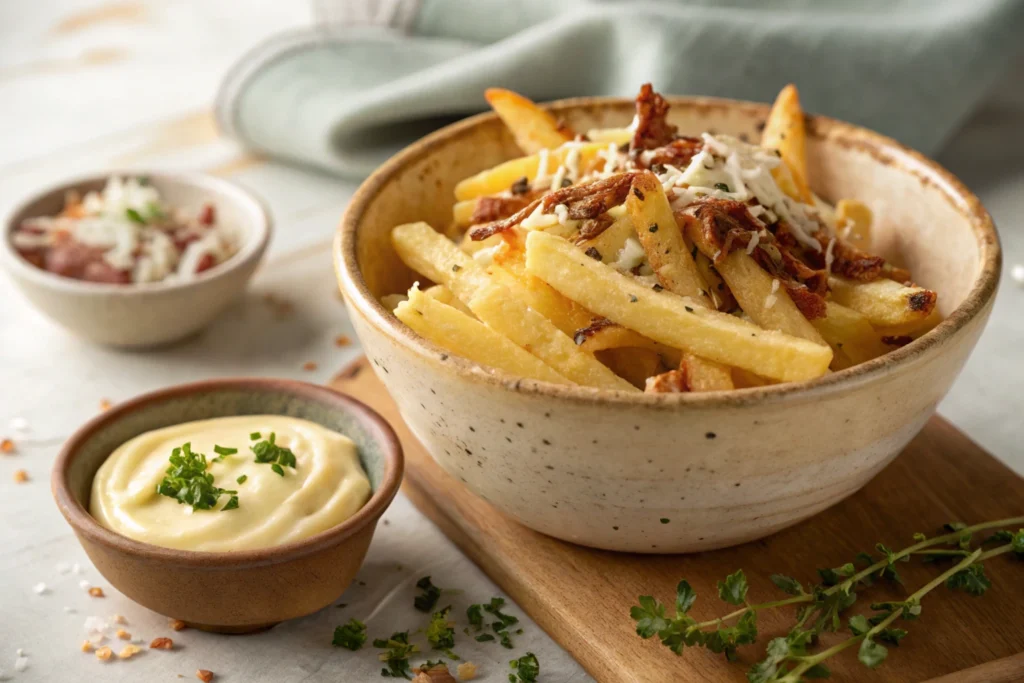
x: 230, y: 592
x: 685, y: 472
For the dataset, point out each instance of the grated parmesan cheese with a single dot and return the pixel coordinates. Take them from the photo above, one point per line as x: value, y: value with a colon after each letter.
x: 828, y: 256
x: 630, y: 256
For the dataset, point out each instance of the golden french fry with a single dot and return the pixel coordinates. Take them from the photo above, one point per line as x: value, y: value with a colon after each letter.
x: 445, y: 296
x: 609, y: 243
x: 670, y: 319
x: 883, y: 302
x: 533, y: 128
x: 662, y: 239
x: 462, y: 212
x: 849, y: 334
x: 618, y: 136
x: 500, y: 178
x: 721, y: 297
x: 390, y: 301
x: 914, y: 328
x: 853, y: 219
x: 705, y: 375
x: 785, y: 131
x: 759, y: 294
x: 618, y: 337
x: 471, y: 247
x: 496, y: 297
x: 634, y: 365
x: 743, y: 379
x: 464, y: 336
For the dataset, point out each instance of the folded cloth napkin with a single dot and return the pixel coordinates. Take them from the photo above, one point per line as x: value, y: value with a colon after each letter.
x: 373, y: 75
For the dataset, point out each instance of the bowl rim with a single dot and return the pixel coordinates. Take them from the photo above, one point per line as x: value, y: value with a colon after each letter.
x: 978, y: 300
x: 252, y: 248
x: 86, y: 525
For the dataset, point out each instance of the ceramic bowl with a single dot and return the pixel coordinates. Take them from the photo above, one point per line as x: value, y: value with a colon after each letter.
x: 146, y: 314
x: 673, y: 472
x: 230, y: 592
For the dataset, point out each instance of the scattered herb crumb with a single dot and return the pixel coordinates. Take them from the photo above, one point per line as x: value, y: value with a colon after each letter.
x: 426, y: 601
x: 351, y: 635
x: 526, y: 669
x: 396, y: 654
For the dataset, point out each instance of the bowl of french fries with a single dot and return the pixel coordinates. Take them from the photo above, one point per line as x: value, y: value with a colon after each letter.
x: 664, y: 324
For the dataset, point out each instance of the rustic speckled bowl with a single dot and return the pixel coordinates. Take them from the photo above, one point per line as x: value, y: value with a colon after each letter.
x: 230, y: 592
x: 151, y: 313
x: 683, y: 472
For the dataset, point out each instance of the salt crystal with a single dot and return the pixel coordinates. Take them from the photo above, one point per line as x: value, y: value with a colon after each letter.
x: 19, y: 424
x: 70, y: 610
x: 63, y: 567
x: 20, y: 652
x: 1017, y: 273
x: 84, y: 585
x: 98, y: 624
x: 76, y: 568
x: 40, y: 589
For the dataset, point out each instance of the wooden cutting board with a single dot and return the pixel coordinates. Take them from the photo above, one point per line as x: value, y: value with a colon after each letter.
x: 581, y: 597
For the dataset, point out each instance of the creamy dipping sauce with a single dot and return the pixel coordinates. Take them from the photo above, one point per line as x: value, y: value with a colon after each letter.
x: 326, y: 486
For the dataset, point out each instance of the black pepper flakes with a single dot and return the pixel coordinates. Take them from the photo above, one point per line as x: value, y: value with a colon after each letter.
x: 456, y: 268
x: 688, y: 309
x: 638, y: 194
x: 566, y: 182
x: 632, y: 299
x: 593, y: 253
x: 653, y: 228
x: 665, y: 520
x: 710, y: 435
x: 657, y: 287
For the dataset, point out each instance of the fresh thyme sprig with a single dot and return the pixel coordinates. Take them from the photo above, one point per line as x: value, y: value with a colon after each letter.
x: 788, y: 659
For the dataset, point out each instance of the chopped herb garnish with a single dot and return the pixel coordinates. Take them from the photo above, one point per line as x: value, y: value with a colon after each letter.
x: 254, y: 436
x: 351, y: 635
x: 134, y: 216
x: 155, y: 211
x: 189, y: 483
x: 526, y: 669
x: 241, y: 479
x: 431, y: 593
x: 223, y: 450
x: 722, y: 186
x: 267, y: 451
x: 476, y: 616
x: 231, y: 505
x: 439, y: 631
x: 396, y: 654
x: 484, y: 637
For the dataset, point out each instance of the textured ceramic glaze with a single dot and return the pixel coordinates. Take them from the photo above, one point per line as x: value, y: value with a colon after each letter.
x: 147, y: 314
x: 235, y: 591
x: 684, y: 472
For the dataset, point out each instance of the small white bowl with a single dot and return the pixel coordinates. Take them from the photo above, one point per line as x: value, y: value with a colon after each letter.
x: 145, y: 314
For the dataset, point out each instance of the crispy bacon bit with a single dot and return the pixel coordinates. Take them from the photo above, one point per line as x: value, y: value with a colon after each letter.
x: 851, y: 262
x: 922, y: 301
x: 482, y: 232
x: 521, y: 186
x: 671, y: 382
x: 652, y: 128
x: 725, y: 223
x: 6, y: 446
x: 592, y: 227
x: 490, y: 209
x: 596, y: 325
x: 678, y: 153
x: 590, y: 200
x: 809, y: 303
x: 438, y: 673
x: 205, y: 675
x: 208, y: 215
x: 161, y: 644
x: 897, y: 340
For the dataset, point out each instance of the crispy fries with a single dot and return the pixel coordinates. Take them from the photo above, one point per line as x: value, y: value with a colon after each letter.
x: 785, y: 131
x: 669, y: 319
x: 652, y: 258
x: 455, y: 331
x: 884, y: 302
x: 533, y: 128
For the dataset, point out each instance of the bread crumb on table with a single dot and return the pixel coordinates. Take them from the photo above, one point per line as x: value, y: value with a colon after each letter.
x: 6, y: 446
x: 122, y: 634
x: 20, y: 476
x: 205, y: 675
x: 104, y: 653
x: 96, y: 592
x: 86, y: 646
x: 466, y: 671
x: 309, y: 366
x: 178, y: 624
x: 161, y: 644
x: 129, y: 651
x: 105, y: 404
x: 342, y: 340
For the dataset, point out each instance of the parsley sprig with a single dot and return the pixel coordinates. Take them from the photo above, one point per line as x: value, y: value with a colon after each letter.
x: 267, y: 451
x: 351, y: 635
x: 789, y: 659
x: 187, y: 481
x: 526, y: 669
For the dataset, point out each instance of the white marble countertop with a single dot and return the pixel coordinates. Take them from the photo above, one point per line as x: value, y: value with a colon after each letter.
x: 140, y: 76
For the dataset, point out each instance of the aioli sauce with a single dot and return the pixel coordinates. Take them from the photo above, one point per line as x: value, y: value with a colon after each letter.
x: 326, y: 487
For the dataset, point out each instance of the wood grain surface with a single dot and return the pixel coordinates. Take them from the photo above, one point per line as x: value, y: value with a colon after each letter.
x: 581, y: 597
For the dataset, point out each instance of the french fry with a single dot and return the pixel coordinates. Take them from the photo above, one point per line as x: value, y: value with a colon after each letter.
x: 853, y: 219
x: 767, y: 304
x: 391, y: 301
x: 849, y: 334
x: 883, y: 302
x: 498, y: 300
x: 471, y: 247
x: 533, y: 128
x: 705, y: 375
x: 742, y: 379
x: 610, y: 242
x: 721, y: 297
x: 619, y: 136
x: 501, y: 177
x: 632, y: 364
x: 462, y: 212
x: 914, y: 328
x: 445, y: 296
x: 618, y: 337
x: 455, y: 331
x: 662, y: 240
x: 785, y: 131
x: 669, y: 319
x: 668, y: 255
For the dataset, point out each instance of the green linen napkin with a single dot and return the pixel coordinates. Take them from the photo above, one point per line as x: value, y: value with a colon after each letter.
x: 373, y: 75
